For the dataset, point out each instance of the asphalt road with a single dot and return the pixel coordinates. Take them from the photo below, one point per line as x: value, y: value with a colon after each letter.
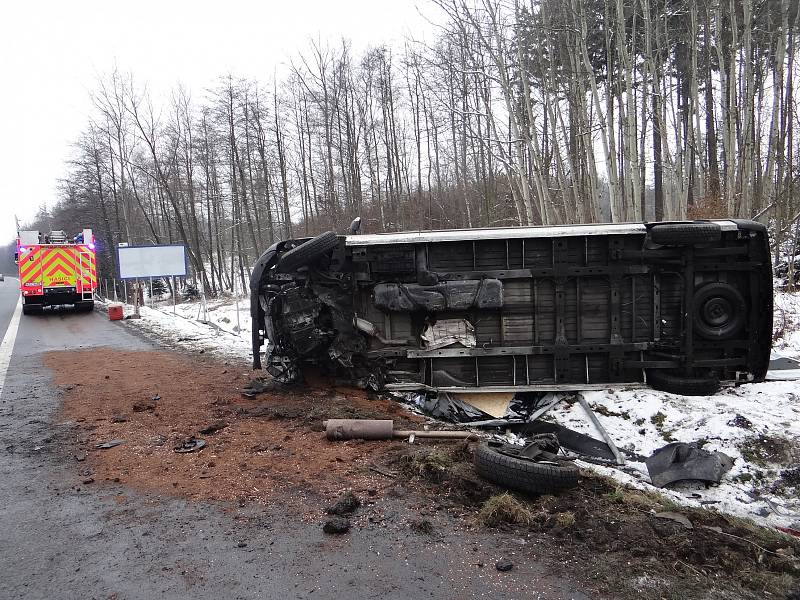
x: 62, y: 539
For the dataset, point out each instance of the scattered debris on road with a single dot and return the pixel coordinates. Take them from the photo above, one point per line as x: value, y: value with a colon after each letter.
x: 345, y: 505
x: 336, y: 525
x: 191, y: 444
x: 679, y: 461
x: 599, y: 426
x: 536, y: 468
x: 504, y: 565
x: 214, y: 427
x: 383, y: 429
x: 255, y: 386
x: 676, y: 517
x: 109, y: 444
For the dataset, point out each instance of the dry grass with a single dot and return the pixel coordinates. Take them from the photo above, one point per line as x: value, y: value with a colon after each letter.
x: 658, y: 419
x: 565, y: 519
x: 505, y: 508
x: 641, y: 499
x: 763, y: 450
x: 431, y: 465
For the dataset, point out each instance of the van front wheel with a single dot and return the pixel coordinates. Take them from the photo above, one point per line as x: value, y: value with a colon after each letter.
x: 307, y: 252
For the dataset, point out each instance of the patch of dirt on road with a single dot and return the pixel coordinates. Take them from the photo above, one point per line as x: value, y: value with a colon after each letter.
x: 256, y: 448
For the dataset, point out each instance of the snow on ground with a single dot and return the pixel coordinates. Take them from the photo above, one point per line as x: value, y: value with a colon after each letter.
x: 757, y: 424
x: 786, y: 324
x: 189, y: 325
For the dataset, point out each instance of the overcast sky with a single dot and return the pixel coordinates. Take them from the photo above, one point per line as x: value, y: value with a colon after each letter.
x: 53, y: 52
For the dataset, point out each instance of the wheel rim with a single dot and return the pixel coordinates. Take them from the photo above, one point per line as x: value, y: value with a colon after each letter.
x: 719, y: 312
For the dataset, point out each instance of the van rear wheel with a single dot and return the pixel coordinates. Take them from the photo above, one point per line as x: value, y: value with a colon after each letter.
x: 681, y: 384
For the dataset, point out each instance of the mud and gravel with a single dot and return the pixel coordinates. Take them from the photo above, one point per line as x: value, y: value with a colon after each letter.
x: 256, y: 449
x: 269, y: 450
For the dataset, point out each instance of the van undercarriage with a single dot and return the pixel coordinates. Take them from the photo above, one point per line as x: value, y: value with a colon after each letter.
x: 681, y: 306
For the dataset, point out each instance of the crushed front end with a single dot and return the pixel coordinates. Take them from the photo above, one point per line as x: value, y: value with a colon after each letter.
x: 302, y: 310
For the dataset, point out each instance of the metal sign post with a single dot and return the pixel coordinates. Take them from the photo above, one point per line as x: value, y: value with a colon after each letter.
x: 136, y: 291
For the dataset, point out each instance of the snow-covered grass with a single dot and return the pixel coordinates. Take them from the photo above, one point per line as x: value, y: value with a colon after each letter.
x: 758, y: 424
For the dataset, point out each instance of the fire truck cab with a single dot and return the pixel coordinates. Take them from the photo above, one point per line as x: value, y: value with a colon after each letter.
x: 56, y: 270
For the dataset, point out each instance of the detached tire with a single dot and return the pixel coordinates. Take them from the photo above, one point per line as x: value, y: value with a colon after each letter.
x: 685, y: 234
x: 524, y: 475
x: 679, y: 384
x: 307, y: 252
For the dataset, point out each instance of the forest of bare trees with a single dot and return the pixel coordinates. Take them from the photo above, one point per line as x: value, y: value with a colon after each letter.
x: 545, y: 112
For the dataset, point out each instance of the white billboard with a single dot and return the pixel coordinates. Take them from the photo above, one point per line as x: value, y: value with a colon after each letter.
x: 152, y: 261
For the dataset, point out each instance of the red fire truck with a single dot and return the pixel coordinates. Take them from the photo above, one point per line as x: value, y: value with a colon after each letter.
x: 56, y: 270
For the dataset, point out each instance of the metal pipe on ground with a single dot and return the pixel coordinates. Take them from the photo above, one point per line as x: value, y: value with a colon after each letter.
x: 381, y: 429
x: 607, y: 438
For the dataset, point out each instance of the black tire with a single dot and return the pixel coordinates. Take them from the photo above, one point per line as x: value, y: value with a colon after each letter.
x: 680, y: 384
x: 524, y: 475
x: 308, y: 252
x: 32, y: 309
x: 719, y: 311
x: 85, y: 306
x: 685, y: 234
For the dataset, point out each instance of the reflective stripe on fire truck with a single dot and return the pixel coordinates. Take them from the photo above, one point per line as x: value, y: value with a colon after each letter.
x: 59, y: 267
x: 30, y: 270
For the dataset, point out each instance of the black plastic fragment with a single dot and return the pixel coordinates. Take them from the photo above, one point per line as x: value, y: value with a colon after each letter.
x: 190, y: 445
x: 680, y: 461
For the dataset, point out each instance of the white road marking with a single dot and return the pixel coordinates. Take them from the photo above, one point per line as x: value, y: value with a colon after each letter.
x: 7, y: 345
